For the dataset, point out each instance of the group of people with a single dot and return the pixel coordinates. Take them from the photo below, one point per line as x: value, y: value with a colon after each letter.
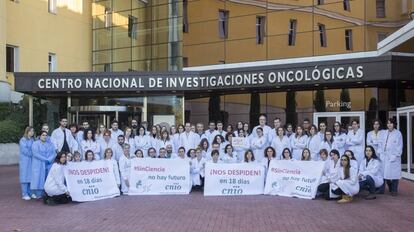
x: 353, y: 161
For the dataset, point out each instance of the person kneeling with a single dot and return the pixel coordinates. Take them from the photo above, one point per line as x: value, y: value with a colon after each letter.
x: 55, y: 188
x: 346, y: 183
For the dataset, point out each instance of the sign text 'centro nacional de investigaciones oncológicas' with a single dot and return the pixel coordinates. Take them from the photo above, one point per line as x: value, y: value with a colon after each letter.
x: 177, y: 82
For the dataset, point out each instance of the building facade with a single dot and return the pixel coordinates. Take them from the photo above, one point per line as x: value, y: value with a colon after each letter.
x: 43, y: 36
x: 234, y: 31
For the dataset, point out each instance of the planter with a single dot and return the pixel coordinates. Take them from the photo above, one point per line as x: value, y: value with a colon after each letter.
x: 9, y: 153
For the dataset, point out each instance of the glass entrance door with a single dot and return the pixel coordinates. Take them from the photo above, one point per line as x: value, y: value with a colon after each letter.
x: 405, y: 118
x: 97, y: 115
x: 344, y: 117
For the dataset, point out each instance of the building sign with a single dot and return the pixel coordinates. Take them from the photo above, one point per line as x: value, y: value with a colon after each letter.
x: 236, y: 78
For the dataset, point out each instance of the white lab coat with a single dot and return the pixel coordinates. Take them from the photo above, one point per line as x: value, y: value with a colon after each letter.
x: 328, y: 146
x: 325, y: 172
x: 188, y: 140
x: 115, y: 168
x: 124, y: 169
x: 266, y: 132
x: 375, y: 140
x: 265, y: 163
x: 272, y: 134
x: 154, y: 142
x: 210, y: 135
x: 176, y: 141
x: 339, y: 141
x: 57, y: 139
x: 164, y: 143
x: 55, y: 181
x: 279, y: 144
x: 242, y: 149
x: 143, y: 143
x: 115, y: 134
x: 391, y: 154
x: 258, y: 145
x: 118, y: 151
x: 230, y: 159
x: 103, y: 145
x: 313, y: 144
x: 91, y: 145
x: 297, y: 145
x: 356, y: 143
x: 131, y: 142
x: 349, y: 186
x: 197, y: 168
x: 373, y: 169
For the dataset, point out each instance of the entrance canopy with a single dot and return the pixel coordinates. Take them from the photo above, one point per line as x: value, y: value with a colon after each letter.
x: 322, y: 71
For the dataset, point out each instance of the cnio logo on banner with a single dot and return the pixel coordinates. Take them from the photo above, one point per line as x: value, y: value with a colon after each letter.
x: 189, y: 82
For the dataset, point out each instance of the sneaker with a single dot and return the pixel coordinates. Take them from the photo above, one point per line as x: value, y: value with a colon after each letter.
x: 345, y: 199
x: 26, y: 198
x: 394, y: 194
x: 370, y: 197
x: 33, y: 196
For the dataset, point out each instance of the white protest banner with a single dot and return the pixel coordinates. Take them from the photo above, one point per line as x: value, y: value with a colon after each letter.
x: 159, y: 176
x: 90, y: 181
x: 292, y: 178
x: 238, y: 141
x: 233, y: 179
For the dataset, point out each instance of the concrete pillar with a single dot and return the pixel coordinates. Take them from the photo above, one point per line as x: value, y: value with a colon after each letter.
x: 4, y: 84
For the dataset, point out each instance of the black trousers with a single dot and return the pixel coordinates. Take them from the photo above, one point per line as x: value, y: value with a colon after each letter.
x: 58, y: 199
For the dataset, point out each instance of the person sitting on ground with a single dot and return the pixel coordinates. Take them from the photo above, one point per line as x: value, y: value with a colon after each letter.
x: 370, y: 174
x: 55, y: 188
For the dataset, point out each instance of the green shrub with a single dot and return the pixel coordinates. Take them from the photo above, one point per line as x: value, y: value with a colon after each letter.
x: 10, y: 131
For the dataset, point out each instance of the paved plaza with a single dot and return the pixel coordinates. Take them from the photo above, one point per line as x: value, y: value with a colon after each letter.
x: 195, y: 212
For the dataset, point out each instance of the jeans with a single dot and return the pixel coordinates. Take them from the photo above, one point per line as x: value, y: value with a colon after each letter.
x: 25, y: 189
x: 368, y: 183
x: 392, y: 185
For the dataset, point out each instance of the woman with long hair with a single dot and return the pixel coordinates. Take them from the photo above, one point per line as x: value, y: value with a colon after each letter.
x: 346, y: 183
x: 25, y: 161
x: 298, y: 143
x: 55, y: 187
x: 370, y: 174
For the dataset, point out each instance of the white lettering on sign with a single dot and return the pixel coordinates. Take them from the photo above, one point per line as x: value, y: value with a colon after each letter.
x: 235, y: 80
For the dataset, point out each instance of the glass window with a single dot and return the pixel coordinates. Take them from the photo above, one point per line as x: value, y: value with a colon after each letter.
x: 185, y: 16
x: 347, y: 5
x: 304, y: 101
x: 276, y: 102
x: 260, y: 29
x: 380, y: 4
x: 223, y: 23
x: 108, y: 17
x: 132, y: 27
x: 52, y: 62
x: 165, y: 105
x: 348, y: 40
x: 11, y: 59
x: 322, y: 35
x: 320, y: 2
x: 381, y: 36
x: 292, y: 32
x: 237, y: 103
